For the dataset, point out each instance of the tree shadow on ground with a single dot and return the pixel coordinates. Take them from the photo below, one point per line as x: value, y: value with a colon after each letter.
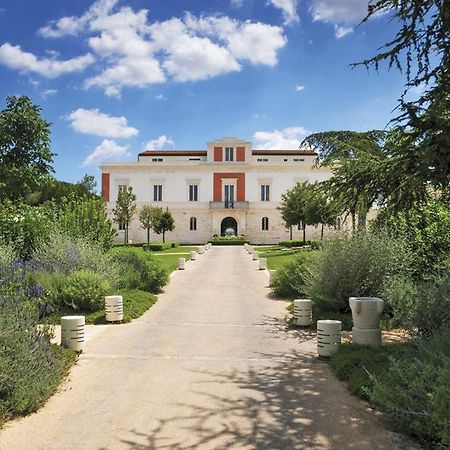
x: 277, y: 402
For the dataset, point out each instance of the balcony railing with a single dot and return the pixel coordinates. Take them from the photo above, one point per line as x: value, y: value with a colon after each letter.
x: 228, y: 205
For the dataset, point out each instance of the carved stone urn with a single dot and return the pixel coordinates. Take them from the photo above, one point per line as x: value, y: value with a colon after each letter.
x: 366, y: 312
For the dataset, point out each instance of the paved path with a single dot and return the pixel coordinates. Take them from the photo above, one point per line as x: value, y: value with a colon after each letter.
x: 210, y: 366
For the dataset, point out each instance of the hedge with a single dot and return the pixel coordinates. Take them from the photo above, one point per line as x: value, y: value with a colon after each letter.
x: 229, y: 241
x: 293, y: 243
x: 159, y: 246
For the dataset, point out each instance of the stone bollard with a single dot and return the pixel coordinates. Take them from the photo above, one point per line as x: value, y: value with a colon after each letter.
x: 200, y: 250
x: 114, y: 308
x: 255, y: 256
x: 193, y: 256
x: 328, y: 337
x: 209, y: 246
x: 72, y: 332
x: 366, y: 314
x: 262, y: 263
x: 303, y: 312
x: 250, y: 250
x: 181, y: 263
x: 271, y: 276
x: 245, y: 246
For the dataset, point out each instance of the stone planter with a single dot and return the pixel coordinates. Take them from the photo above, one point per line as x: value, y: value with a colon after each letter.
x: 114, y: 308
x: 366, y: 312
x: 303, y: 312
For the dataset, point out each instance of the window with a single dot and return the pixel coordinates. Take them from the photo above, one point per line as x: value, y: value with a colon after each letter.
x: 262, y: 160
x: 265, y: 193
x: 299, y: 159
x: 122, y: 187
x: 193, y: 224
x: 265, y: 224
x: 157, y: 192
x: 229, y: 154
x: 157, y: 159
x: 195, y: 159
x: 193, y: 192
x: 285, y: 159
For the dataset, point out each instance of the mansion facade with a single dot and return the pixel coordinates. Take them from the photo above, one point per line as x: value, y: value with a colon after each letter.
x: 229, y: 187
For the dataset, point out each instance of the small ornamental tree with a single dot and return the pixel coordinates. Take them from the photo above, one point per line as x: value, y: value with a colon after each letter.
x: 125, y: 210
x: 149, y: 216
x: 164, y: 223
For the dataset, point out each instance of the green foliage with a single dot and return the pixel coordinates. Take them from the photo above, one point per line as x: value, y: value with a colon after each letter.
x: 410, y: 390
x: 289, y: 280
x: 25, y: 155
x: 85, y: 290
x: 163, y: 223
x: 139, y: 270
x: 125, y: 210
x: 86, y: 218
x: 52, y: 284
x: 229, y: 240
x: 30, y: 366
x: 149, y: 216
x: 427, y: 228
x: 65, y: 254
x: 355, y: 266
x: 294, y: 243
x: 23, y: 226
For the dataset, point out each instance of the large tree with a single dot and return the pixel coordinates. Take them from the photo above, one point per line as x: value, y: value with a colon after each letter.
x: 125, y: 210
x: 25, y: 156
x: 421, y: 49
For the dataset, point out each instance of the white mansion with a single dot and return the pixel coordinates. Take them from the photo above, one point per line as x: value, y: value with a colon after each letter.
x: 228, y: 185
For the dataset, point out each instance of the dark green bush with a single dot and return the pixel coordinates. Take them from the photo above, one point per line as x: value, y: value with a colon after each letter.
x: 355, y: 266
x: 139, y: 270
x: 30, y: 366
x: 295, y: 243
x: 85, y: 290
x: 159, y: 246
x: 414, y: 389
x: 289, y: 280
x: 229, y: 241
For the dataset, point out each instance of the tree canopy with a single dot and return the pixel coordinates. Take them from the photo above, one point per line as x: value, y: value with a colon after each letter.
x: 25, y: 156
x: 125, y: 209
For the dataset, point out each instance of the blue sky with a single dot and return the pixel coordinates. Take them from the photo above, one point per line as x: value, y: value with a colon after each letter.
x: 116, y: 77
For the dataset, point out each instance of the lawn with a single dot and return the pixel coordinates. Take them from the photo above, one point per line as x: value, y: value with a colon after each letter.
x: 184, y: 249
x: 171, y: 260
x: 276, y: 257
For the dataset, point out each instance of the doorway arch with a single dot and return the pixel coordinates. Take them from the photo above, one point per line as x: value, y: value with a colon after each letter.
x: 228, y: 224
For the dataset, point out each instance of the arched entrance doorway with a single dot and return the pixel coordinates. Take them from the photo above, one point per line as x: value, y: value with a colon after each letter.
x: 228, y: 226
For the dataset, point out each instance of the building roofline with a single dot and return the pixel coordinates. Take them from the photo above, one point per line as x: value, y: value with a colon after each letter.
x: 255, y: 152
x: 275, y: 152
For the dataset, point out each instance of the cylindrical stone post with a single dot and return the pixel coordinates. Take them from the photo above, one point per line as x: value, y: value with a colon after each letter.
x: 303, y: 312
x: 255, y: 256
x: 72, y: 332
x: 200, y: 250
x: 366, y: 314
x: 114, y: 308
x: 181, y: 263
x: 262, y: 263
x: 193, y: 256
x: 328, y: 336
x: 250, y: 250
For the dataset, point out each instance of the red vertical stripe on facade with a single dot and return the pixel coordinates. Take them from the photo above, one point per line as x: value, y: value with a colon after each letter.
x: 240, y: 156
x: 217, y: 185
x: 218, y: 154
x: 105, y: 186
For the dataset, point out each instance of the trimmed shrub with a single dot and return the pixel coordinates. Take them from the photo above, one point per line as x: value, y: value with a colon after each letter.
x: 289, y: 280
x: 139, y: 270
x: 355, y: 266
x: 85, y: 290
x: 159, y: 246
x: 294, y: 243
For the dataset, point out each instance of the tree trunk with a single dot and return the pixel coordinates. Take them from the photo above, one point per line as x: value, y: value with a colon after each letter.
x: 321, y: 233
x: 290, y: 232
x: 148, y: 236
x: 304, y: 233
x: 164, y: 237
x: 353, y: 222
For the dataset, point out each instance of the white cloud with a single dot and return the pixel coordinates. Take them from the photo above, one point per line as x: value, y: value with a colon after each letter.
x: 15, y: 58
x: 74, y: 25
x: 288, y: 138
x: 339, y: 11
x: 299, y: 88
x: 92, y: 121
x: 237, y: 3
x: 48, y: 93
x: 135, y: 53
x: 288, y: 9
x: 107, y: 150
x: 161, y: 97
x: 161, y: 142
x: 341, y: 31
